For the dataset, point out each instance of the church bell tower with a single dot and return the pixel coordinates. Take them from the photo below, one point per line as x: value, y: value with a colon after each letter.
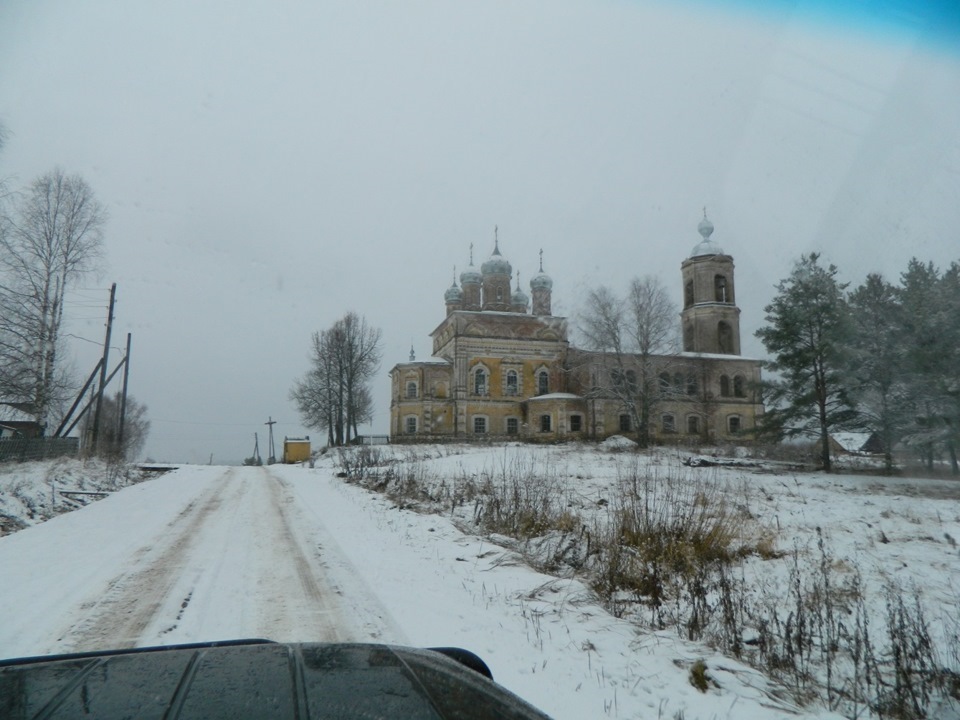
x: 710, y: 317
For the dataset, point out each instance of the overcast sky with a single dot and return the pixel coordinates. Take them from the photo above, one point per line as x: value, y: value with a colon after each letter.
x: 268, y: 166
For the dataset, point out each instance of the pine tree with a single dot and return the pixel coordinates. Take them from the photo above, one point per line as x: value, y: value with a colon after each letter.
x: 876, y: 357
x: 806, y: 322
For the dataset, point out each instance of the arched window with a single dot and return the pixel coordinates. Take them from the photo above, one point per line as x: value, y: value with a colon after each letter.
x: 664, y: 382
x: 543, y: 382
x: 479, y: 424
x: 725, y: 337
x: 733, y: 425
x: 688, y: 294
x: 667, y: 423
x: 513, y: 383
x: 480, y: 382
x: 724, y: 386
x: 693, y: 425
x: 632, y: 381
x: 678, y: 382
x: 688, y: 338
x: 625, y: 423
x: 721, y: 292
x: 411, y: 389
x: 411, y: 424
x: 692, y: 385
x: 738, y: 390
x: 544, y: 423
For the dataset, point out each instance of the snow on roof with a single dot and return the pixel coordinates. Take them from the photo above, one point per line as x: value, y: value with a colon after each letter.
x: 557, y: 396
x: 851, y: 441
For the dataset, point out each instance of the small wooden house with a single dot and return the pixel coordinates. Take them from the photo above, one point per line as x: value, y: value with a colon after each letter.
x: 855, y: 443
x: 296, y: 449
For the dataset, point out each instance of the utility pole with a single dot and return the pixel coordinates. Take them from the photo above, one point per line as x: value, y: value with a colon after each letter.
x: 272, y: 457
x: 95, y: 440
x: 123, y: 396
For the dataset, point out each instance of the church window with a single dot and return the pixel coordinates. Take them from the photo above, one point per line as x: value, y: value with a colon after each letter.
x: 576, y: 423
x: 738, y: 390
x: 724, y: 386
x: 480, y: 382
x: 499, y: 294
x: 733, y: 424
x: 625, y: 423
x: 513, y: 385
x: 688, y: 294
x: 479, y: 425
x: 664, y: 382
x: 725, y: 338
x: 411, y: 389
x: 720, y: 289
x: 411, y: 425
x: 693, y: 425
x: 631, y: 381
x: 668, y: 424
x: 513, y: 426
x: 688, y: 338
x: 544, y: 423
x: 543, y: 382
x: 678, y: 382
x: 692, y: 385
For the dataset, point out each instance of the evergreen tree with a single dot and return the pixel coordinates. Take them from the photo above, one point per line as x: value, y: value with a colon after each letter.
x: 876, y: 361
x: 806, y: 322
x: 931, y: 335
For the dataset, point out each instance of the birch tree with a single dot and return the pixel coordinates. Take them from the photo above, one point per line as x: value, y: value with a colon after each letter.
x: 52, y: 236
x: 635, y: 332
x: 334, y: 395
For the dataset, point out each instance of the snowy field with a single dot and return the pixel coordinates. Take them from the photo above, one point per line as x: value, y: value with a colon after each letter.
x: 298, y: 554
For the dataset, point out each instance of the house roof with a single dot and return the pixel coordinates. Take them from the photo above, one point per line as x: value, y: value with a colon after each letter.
x: 851, y: 441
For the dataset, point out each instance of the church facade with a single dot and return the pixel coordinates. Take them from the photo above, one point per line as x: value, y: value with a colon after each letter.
x: 505, y: 367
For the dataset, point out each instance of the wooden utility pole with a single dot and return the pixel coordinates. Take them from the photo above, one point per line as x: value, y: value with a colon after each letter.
x: 95, y: 439
x: 272, y: 457
x: 123, y: 396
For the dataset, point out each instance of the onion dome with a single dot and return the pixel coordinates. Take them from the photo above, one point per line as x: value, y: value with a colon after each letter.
x: 519, y: 297
x: 497, y: 264
x: 541, y: 281
x: 470, y: 275
x: 707, y: 246
x: 454, y: 294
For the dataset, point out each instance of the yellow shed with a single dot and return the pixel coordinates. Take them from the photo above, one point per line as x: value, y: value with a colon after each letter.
x: 296, y: 449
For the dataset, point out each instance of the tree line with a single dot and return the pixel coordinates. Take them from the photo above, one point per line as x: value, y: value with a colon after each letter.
x: 883, y: 357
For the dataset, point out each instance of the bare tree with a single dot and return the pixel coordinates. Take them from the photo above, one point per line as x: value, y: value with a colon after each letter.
x: 334, y: 394
x: 52, y: 237
x: 115, y: 441
x: 636, y: 333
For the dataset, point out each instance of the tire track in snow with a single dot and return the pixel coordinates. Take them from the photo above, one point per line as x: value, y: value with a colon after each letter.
x: 179, y: 590
x: 297, y: 601
x: 119, y: 618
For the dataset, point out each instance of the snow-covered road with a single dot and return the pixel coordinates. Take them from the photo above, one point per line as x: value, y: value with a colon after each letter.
x: 206, y: 553
x: 294, y: 554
